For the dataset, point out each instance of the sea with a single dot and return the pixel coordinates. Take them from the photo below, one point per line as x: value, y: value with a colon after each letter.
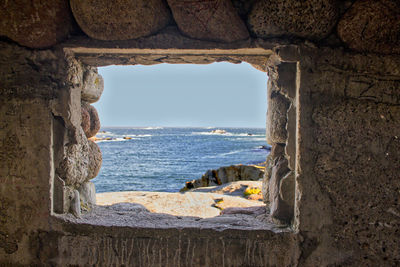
x: 162, y: 159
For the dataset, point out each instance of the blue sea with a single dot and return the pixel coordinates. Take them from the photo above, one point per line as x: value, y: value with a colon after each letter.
x: 163, y: 159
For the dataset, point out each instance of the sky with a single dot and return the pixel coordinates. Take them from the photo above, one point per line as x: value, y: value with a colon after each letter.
x: 183, y: 95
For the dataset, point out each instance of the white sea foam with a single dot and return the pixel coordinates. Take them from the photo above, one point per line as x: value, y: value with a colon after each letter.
x: 151, y: 128
x: 139, y: 135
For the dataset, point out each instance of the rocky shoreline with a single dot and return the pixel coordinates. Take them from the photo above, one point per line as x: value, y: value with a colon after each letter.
x: 232, y: 189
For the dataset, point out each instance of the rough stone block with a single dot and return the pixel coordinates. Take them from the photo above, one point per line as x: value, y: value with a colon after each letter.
x: 87, y: 194
x: 307, y: 19
x: 94, y: 122
x: 93, y: 86
x: 280, y: 210
x: 290, y: 148
x: 278, y: 106
x: 76, y: 204
x: 287, y: 189
x: 36, y: 24
x: 95, y: 160
x: 215, y: 20
x: 277, y: 150
x: 73, y: 168
x: 121, y: 19
x: 372, y: 26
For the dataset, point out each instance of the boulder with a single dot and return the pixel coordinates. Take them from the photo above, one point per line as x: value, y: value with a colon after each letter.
x: 36, y: 24
x: 93, y: 86
x: 94, y: 127
x: 372, y: 26
x: 120, y: 19
x: 313, y: 19
x: 215, y: 20
x: 95, y: 160
x: 87, y: 194
x: 278, y: 106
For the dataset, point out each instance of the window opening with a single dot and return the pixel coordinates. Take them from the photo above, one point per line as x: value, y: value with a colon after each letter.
x: 163, y: 126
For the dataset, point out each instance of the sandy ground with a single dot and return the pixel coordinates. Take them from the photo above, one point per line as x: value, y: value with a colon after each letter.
x: 204, y: 202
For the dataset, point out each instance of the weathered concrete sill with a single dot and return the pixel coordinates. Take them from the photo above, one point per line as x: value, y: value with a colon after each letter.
x: 135, y: 216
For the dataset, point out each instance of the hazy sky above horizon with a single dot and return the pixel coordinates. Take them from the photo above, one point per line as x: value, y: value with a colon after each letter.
x: 183, y: 95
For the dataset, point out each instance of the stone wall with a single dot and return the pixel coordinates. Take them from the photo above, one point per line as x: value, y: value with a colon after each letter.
x: 333, y: 121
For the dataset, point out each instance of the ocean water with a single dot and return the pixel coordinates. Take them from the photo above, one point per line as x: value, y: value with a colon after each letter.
x: 163, y: 159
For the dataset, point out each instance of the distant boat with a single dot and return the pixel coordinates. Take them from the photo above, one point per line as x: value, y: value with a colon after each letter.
x: 218, y: 131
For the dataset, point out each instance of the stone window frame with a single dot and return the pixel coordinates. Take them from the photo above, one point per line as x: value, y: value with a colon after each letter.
x: 261, y: 58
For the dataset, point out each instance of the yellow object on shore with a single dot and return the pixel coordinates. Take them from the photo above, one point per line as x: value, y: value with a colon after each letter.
x: 251, y: 190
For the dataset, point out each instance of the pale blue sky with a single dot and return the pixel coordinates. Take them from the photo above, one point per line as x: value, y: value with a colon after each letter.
x: 186, y: 95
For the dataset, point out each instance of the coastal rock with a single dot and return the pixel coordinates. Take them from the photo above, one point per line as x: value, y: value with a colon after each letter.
x: 95, y: 160
x: 225, y: 175
x: 36, y: 24
x: 372, y: 26
x: 278, y: 106
x: 94, y: 120
x: 307, y: 19
x: 87, y: 194
x: 93, y: 86
x: 214, y: 20
x: 121, y: 19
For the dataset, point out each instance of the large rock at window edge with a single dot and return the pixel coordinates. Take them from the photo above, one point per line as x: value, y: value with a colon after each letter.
x: 313, y: 19
x: 36, y: 24
x: 215, y: 20
x: 372, y: 26
x: 95, y: 160
x: 120, y: 19
x: 93, y: 86
x: 94, y: 121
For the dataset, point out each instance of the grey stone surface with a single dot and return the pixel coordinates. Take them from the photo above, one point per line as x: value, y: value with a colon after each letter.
x: 95, y: 160
x: 277, y: 151
x: 291, y: 127
x: 372, y: 26
x: 346, y: 210
x: 278, y: 106
x: 287, y: 190
x: 73, y: 168
x: 281, y: 211
x: 215, y: 20
x: 122, y: 19
x: 76, y: 204
x: 93, y: 86
x: 87, y: 194
x: 36, y: 24
x: 306, y: 19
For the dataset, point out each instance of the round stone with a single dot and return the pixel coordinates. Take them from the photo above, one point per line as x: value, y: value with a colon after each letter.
x: 36, y: 24
x: 215, y: 20
x: 313, y: 19
x: 372, y: 26
x: 95, y: 160
x: 120, y: 19
x: 94, y: 124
